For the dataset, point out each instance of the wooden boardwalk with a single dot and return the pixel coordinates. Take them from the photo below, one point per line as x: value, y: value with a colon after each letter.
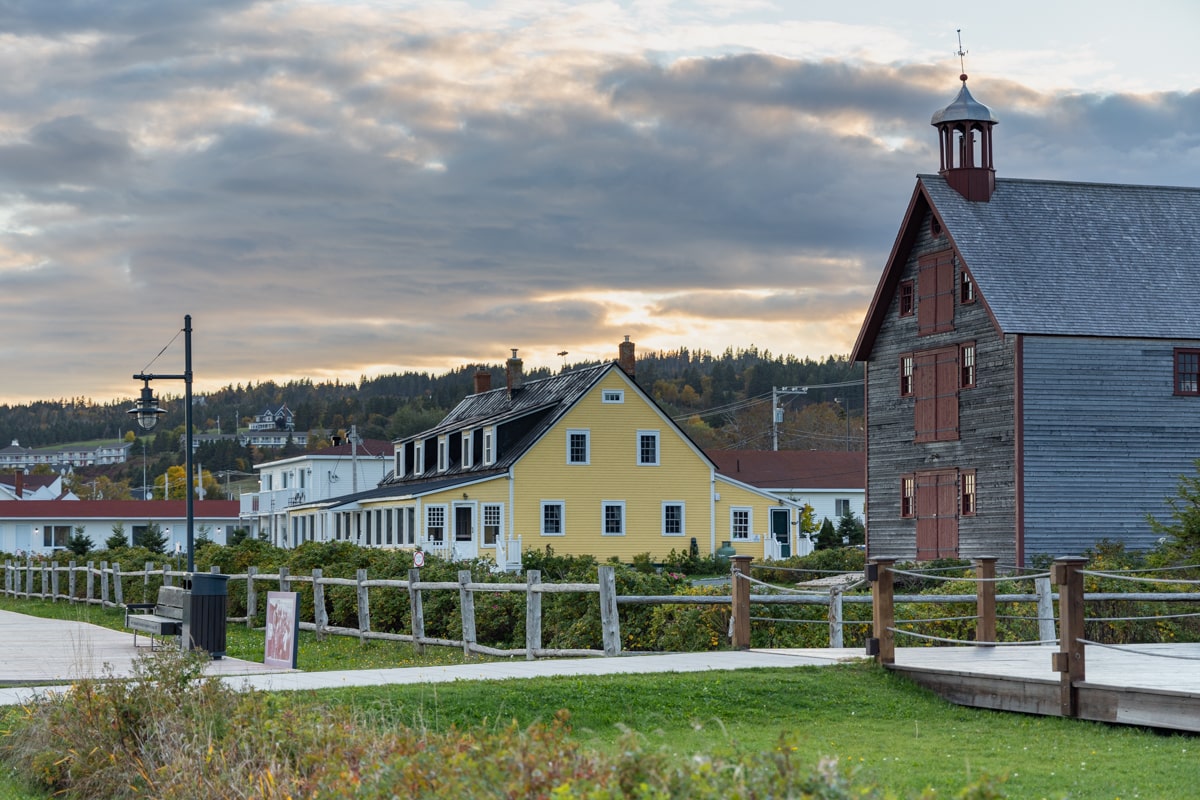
x: 1154, y: 685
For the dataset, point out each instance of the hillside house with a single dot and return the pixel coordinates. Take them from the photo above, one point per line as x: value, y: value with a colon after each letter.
x: 1032, y: 359
x: 584, y: 462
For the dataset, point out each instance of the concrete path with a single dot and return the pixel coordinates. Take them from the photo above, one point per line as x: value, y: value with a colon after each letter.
x: 36, y: 652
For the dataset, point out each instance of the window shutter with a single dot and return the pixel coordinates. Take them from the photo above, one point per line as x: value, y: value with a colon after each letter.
x: 935, y: 294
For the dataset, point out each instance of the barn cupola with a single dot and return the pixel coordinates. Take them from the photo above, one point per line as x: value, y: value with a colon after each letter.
x: 965, y: 134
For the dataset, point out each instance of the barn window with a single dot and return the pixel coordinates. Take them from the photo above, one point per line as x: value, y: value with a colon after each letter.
x: 966, y: 288
x: 907, y: 298
x: 967, y: 494
x: 1187, y: 372
x: 966, y: 362
x: 906, y: 376
x: 908, y: 496
x: 935, y: 294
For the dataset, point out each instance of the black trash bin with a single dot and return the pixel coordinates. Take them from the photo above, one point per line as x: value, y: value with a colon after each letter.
x: 204, y: 613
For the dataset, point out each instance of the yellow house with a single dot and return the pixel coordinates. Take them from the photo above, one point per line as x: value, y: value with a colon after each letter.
x: 584, y: 461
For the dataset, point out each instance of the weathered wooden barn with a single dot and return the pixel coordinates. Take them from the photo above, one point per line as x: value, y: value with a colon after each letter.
x: 1032, y: 359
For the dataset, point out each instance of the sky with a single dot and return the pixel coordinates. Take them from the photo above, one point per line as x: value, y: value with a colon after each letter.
x: 343, y: 189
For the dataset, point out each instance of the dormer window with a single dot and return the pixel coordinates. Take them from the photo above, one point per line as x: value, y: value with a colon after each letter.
x: 418, y: 458
x: 443, y: 453
x: 489, y: 446
x: 468, y: 457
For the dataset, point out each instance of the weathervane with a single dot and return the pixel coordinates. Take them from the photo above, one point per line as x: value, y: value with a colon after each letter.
x: 962, y: 64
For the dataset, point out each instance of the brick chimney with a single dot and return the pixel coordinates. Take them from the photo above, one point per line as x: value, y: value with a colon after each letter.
x: 19, y: 484
x: 483, y: 381
x: 625, y: 357
x: 514, y: 373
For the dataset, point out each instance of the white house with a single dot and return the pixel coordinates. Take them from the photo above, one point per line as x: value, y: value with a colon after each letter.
x: 829, y: 481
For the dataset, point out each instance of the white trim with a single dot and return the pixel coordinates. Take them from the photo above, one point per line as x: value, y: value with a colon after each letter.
x: 682, y: 517
x: 443, y: 452
x: 562, y: 517
x: 657, y: 448
x: 483, y: 514
x: 418, y: 458
x: 587, y: 446
x: 605, y: 505
x: 612, y: 396
x: 489, y: 446
x: 445, y: 519
x: 468, y: 449
x: 733, y: 510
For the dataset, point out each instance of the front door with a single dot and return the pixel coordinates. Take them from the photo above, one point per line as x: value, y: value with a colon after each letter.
x: 781, y: 529
x: 465, y: 547
x: 937, y: 515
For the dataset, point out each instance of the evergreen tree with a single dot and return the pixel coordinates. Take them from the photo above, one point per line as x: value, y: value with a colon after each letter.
x: 117, y: 539
x: 827, y: 537
x: 153, y: 539
x: 850, y: 530
x: 79, y: 543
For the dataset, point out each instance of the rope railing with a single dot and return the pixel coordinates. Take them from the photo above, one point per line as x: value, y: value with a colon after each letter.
x: 1148, y: 617
x: 1139, y: 651
x: 1138, y: 579
x: 783, y: 589
x: 971, y: 578
x: 947, y: 640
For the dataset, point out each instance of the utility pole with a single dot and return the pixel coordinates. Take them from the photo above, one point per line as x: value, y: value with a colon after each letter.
x: 353, y: 437
x: 777, y: 410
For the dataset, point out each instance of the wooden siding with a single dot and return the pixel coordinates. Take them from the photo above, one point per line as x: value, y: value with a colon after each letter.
x: 613, y: 474
x: 1105, y: 440
x: 985, y: 419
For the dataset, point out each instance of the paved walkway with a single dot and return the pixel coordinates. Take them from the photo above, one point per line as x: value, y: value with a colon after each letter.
x: 36, y: 652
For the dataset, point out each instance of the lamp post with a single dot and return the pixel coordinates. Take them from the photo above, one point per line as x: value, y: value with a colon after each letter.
x: 147, y: 411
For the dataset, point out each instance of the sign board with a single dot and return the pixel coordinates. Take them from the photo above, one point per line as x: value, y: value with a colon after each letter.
x: 418, y: 559
x: 283, y: 629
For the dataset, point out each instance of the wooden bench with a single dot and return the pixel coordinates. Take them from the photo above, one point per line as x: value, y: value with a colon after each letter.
x: 163, y: 618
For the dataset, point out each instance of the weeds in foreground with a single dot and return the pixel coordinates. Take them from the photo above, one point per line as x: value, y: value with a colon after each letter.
x: 170, y: 734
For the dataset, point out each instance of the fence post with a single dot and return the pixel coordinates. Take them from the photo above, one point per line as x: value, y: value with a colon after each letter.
x: 364, y: 605
x: 1069, y: 660
x: 251, y: 597
x: 740, y: 590
x: 29, y: 579
x: 91, y: 581
x: 46, y: 569
x: 533, y: 614
x: 70, y: 581
x: 415, y: 611
x: 166, y: 578
x: 320, y: 615
x: 466, y: 600
x: 883, y: 611
x: 1045, y: 609
x: 54, y: 583
x: 118, y: 590
x: 610, y: 621
x: 103, y: 584
x: 8, y: 576
x: 985, y: 601
x: 835, y: 616
x: 285, y: 585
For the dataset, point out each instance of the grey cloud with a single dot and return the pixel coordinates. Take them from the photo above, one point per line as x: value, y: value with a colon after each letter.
x: 53, y: 18
x: 68, y: 149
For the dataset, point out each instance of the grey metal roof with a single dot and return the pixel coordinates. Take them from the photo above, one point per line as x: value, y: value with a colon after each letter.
x: 1085, y: 259
x: 964, y: 108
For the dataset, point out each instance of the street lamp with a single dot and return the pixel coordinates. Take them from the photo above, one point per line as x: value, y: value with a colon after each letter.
x: 147, y: 411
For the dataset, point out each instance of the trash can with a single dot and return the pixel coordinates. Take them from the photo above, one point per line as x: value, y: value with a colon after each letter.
x: 204, y: 613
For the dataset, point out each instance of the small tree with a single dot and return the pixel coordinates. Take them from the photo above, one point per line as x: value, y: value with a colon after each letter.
x: 153, y: 539
x: 117, y: 539
x: 79, y: 543
x: 827, y: 538
x: 1184, y: 530
x: 850, y: 529
x: 237, y: 536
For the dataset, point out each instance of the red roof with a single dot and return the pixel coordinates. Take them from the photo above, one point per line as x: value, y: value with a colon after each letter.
x: 793, y: 469
x: 118, y: 509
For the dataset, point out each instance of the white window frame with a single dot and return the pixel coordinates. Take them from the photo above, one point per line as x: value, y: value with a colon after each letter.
x: 443, y: 453
x: 489, y: 446
x: 612, y: 396
x: 468, y: 445
x: 587, y: 446
x: 605, y: 505
x: 498, y: 510
x: 657, y: 448
x: 429, y: 514
x: 562, y: 517
x: 418, y: 457
x: 682, y: 517
x: 733, y: 514
x: 841, y: 505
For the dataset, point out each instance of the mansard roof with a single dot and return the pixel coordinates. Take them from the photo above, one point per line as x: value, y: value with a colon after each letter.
x: 1064, y: 258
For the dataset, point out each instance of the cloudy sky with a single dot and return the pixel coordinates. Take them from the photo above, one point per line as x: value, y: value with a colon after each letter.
x: 333, y: 189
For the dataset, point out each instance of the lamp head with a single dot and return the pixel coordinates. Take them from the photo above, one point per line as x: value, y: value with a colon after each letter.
x: 147, y: 411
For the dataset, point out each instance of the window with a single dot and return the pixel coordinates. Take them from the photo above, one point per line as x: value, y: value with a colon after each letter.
x: 907, y: 298
x: 1187, y: 372
x: 739, y: 523
x: 908, y: 496
x: 967, y: 494
x: 647, y: 448
x: 935, y: 387
x: 56, y: 535
x: 613, y: 512
x: 935, y: 294
x: 612, y: 396
x: 672, y: 519
x: 906, y: 376
x: 468, y: 456
x: 553, y: 522
x: 841, y: 506
x: 578, y: 447
x: 443, y: 454
x: 435, y: 524
x: 489, y: 446
x: 492, y: 514
x: 966, y: 288
x: 418, y: 458
x: 966, y: 365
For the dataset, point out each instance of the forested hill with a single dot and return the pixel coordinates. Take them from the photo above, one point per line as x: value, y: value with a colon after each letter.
x: 685, y: 382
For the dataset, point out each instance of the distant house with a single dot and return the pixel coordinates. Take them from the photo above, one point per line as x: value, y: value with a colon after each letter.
x: 41, y: 527
x: 62, y: 459
x: 19, y: 486
x: 830, y: 481
x: 584, y: 462
x: 308, y: 479
x: 1032, y: 359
